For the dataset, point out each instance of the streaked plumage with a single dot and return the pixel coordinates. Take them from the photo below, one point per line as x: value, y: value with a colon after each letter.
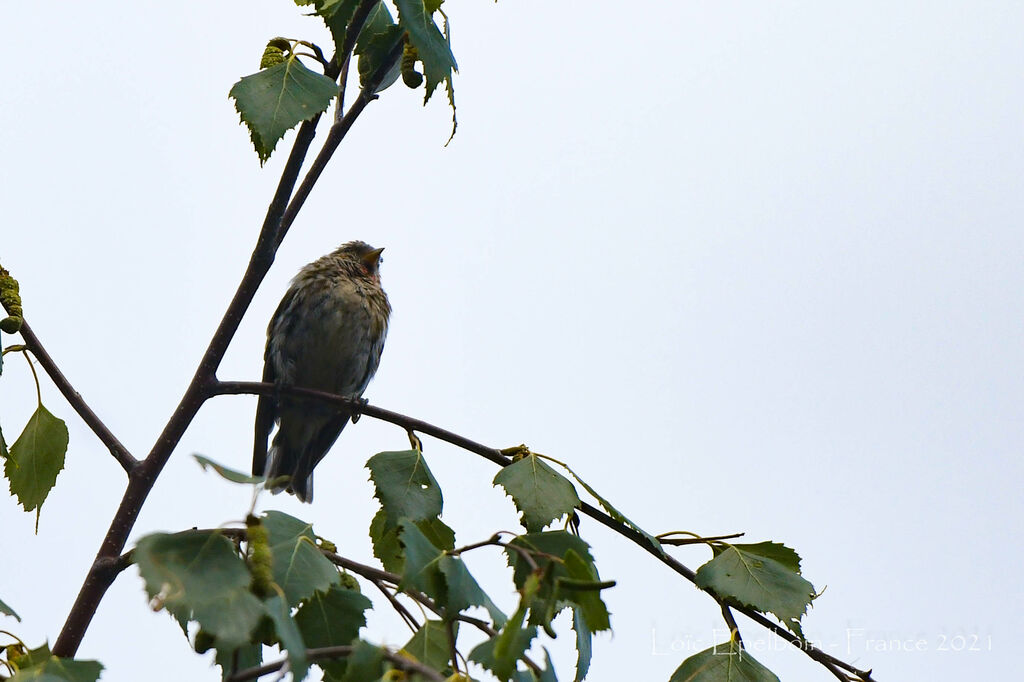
x: 327, y: 334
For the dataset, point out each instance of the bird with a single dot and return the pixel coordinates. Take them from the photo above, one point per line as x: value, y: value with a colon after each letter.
x: 327, y: 334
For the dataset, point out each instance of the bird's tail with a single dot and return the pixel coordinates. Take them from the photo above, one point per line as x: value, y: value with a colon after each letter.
x: 298, y: 447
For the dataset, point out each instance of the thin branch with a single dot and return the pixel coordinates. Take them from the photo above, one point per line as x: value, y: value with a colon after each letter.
x: 333, y: 652
x: 74, y: 398
x: 495, y: 455
x: 493, y: 540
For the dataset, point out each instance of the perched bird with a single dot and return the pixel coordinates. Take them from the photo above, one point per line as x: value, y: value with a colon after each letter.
x: 327, y: 334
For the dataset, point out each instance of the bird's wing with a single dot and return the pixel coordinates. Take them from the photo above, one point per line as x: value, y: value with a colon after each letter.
x: 266, y: 413
x: 267, y: 406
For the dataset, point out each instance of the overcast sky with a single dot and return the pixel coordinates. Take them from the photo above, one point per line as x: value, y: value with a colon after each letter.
x: 746, y: 266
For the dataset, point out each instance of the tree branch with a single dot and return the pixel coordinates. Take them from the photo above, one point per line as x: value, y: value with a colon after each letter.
x: 332, y: 652
x: 143, y: 476
x: 74, y: 398
x: 351, y: 406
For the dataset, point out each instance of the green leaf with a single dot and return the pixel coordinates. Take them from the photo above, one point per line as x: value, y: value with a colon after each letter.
x: 198, y: 575
x: 226, y: 473
x: 387, y: 548
x: 539, y: 492
x: 332, y: 618
x: 434, y: 49
x: 725, y: 662
x: 39, y: 665
x: 365, y: 663
x: 504, y: 666
x: 378, y: 36
x: 300, y: 569
x: 754, y: 576
x: 584, y: 650
x: 421, y: 562
x: 3, y: 445
x: 430, y: 645
x: 274, y: 100
x: 405, y: 486
x: 36, y: 458
x: 289, y: 636
x: 8, y: 611
x: 464, y: 591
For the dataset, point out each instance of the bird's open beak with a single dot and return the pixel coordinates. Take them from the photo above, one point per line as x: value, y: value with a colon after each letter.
x: 371, y: 258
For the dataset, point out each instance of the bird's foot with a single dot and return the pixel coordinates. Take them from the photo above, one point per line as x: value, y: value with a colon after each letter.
x: 357, y: 411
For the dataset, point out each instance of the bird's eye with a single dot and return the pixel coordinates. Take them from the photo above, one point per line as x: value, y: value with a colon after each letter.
x: 380, y: 261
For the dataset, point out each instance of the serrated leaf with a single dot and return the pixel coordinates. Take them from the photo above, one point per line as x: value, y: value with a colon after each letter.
x: 434, y: 50
x: 752, y: 576
x: 39, y: 665
x: 36, y: 458
x: 430, y: 645
x: 198, y: 575
x: 584, y: 648
x: 3, y: 445
x: 225, y: 472
x: 540, y: 493
x: 8, y: 611
x: 725, y: 662
x: 275, y: 100
x: 300, y: 569
x: 404, y: 485
x: 289, y: 636
x: 464, y: 591
x: 421, y: 571
x: 332, y: 618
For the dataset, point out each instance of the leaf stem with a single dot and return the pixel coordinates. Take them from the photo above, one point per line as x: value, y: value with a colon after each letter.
x: 35, y: 377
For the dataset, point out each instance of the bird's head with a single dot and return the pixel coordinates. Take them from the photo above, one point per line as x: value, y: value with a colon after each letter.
x: 366, y: 256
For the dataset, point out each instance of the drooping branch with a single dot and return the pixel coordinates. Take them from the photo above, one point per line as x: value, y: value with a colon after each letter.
x: 77, y: 402
x: 832, y: 664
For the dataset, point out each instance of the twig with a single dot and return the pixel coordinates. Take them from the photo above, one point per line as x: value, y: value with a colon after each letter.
x: 74, y: 398
x: 331, y: 652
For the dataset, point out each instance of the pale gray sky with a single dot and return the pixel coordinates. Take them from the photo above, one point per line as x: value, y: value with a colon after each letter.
x: 747, y: 266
